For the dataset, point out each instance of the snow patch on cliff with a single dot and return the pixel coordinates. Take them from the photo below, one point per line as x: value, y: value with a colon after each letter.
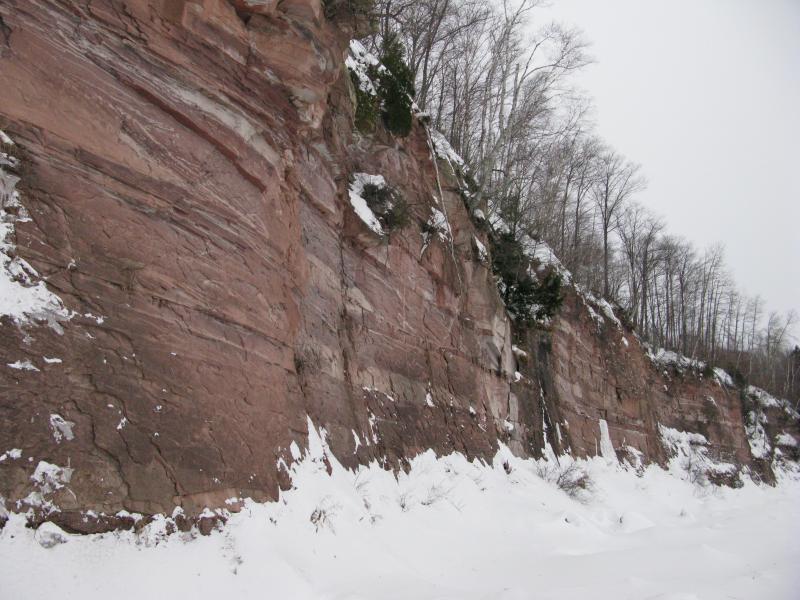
x: 49, y: 477
x: 591, y: 302
x: 61, y: 428
x: 538, y: 251
x: 722, y: 377
x: 13, y: 454
x: 359, y: 61
x: 766, y: 400
x: 756, y: 434
x: 483, y: 254
x: 689, y: 457
x: 439, y: 224
x: 669, y: 358
x: 23, y: 295
x: 359, y: 204
x: 23, y: 365
x: 444, y: 150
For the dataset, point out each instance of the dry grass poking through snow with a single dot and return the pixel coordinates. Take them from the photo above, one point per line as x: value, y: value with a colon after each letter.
x: 572, y: 479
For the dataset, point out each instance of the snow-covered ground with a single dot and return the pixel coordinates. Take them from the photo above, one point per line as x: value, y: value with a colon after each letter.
x: 450, y: 529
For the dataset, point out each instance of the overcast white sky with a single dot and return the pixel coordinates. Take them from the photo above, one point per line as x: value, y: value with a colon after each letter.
x: 705, y: 94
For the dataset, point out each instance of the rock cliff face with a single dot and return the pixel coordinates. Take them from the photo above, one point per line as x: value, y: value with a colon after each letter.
x: 184, y: 166
x: 595, y: 368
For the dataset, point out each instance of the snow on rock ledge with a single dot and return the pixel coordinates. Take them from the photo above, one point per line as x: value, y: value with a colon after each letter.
x: 359, y: 61
x: 722, y: 377
x: 757, y: 435
x: 22, y: 297
x: 438, y: 223
x: 444, y: 150
x: 359, y: 204
x: 688, y: 452
x: 766, y: 400
x: 668, y: 358
x: 483, y: 254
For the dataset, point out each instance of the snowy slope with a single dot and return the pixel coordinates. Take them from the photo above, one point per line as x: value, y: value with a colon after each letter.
x: 450, y: 529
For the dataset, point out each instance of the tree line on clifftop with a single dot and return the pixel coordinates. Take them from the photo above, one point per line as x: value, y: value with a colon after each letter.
x: 497, y: 86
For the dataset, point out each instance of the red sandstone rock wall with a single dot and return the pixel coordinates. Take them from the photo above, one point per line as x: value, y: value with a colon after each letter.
x: 187, y: 184
x: 186, y: 173
x: 599, y: 370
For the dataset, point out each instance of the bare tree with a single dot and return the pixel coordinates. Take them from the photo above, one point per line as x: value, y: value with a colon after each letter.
x: 617, y: 180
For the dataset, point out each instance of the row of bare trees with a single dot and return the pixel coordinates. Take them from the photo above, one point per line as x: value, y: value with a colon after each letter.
x: 498, y: 88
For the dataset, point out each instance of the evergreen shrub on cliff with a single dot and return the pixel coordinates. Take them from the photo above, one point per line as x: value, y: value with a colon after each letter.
x: 366, y: 107
x: 385, y: 88
x: 352, y: 8
x: 396, y: 87
x: 388, y: 205
x: 526, y: 297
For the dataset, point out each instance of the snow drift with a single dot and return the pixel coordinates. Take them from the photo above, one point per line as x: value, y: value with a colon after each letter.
x: 447, y: 529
